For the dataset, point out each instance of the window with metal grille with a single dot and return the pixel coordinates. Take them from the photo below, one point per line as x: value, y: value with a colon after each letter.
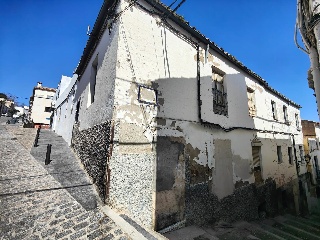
x: 297, y: 121
x: 274, y: 110
x: 279, y: 154
x: 290, y: 155
x: 251, y: 102
x: 220, y: 104
x: 285, y: 114
x: 301, y: 154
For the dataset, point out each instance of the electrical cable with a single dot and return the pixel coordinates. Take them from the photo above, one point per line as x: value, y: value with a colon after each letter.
x: 172, y: 3
x: 175, y: 9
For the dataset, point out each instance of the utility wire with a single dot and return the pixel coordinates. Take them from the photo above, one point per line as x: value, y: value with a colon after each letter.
x: 176, y: 8
x: 172, y: 3
x: 179, y: 5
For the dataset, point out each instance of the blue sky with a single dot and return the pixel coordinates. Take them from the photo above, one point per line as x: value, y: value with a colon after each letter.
x: 42, y: 40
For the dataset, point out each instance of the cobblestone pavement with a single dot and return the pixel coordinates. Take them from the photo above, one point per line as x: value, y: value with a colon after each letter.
x: 34, y: 205
x: 25, y: 136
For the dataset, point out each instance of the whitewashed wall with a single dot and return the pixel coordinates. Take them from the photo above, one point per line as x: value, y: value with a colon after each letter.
x: 101, y: 109
x: 168, y: 64
x: 140, y: 51
x: 65, y: 109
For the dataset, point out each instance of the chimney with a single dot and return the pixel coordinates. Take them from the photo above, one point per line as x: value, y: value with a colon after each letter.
x: 39, y: 84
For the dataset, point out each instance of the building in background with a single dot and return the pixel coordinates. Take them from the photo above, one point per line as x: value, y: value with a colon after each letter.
x: 65, y: 107
x: 176, y: 130
x: 40, y: 106
x: 5, y: 105
x: 311, y: 143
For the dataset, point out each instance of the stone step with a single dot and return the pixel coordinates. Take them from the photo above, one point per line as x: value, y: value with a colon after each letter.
x: 304, y: 220
x: 279, y: 232
x: 263, y: 234
x: 315, y: 218
x: 280, y: 223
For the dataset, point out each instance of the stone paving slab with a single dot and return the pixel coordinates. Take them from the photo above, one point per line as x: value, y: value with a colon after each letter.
x: 34, y: 205
x: 25, y: 136
x: 65, y: 168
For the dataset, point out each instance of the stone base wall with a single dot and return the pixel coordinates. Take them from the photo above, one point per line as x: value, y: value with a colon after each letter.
x: 92, y: 147
x: 246, y: 203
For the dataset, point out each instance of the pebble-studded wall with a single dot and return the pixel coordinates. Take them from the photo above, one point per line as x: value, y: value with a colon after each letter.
x: 92, y: 146
x: 246, y: 203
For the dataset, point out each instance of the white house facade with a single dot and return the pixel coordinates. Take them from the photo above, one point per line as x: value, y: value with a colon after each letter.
x: 40, y: 105
x: 173, y: 129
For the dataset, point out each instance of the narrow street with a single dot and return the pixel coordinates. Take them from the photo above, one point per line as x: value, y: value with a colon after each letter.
x: 56, y: 201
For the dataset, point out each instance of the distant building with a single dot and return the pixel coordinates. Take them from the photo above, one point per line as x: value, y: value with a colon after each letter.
x: 5, y: 105
x: 311, y: 143
x: 41, y: 105
x: 64, y: 107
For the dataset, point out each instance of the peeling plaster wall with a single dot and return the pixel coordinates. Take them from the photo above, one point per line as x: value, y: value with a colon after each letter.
x: 212, y: 168
x: 213, y: 158
x: 132, y: 173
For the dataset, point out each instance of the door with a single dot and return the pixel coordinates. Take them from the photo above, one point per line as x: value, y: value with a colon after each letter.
x: 256, y: 164
x: 316, y: 165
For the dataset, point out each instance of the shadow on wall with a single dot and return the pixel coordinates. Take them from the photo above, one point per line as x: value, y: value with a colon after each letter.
x: 184, y: 187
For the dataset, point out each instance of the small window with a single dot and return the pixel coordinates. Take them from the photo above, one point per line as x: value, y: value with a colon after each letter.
x: 301, y: 154
x: 220, y: 104
x: 251, y: 102
x: 290, y: 155
x: 76, y: 117
x: 279, y: 153
x: 274, y: 110
x: 47, y: 109
x: 285, y: 114
x: 297, y: 121
x: 93, y: 79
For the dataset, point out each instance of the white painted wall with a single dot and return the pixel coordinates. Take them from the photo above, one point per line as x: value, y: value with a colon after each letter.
x: 169, y: 63
x: 65, y: 109
x: 140, y: 51
x: 101, y: 109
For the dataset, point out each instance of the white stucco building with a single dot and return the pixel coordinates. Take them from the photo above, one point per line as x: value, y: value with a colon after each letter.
x: 311, y: 140
x: 183, y: 132
x: 40, y: 105
x: 64, y: 107
x: 5, y: 105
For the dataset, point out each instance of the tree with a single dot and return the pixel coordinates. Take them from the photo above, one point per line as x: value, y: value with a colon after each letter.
x: 12, y: 110
x: 2, y: 95
x: 2, y: 103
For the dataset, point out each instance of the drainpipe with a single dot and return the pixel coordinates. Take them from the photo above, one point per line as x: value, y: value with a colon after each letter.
x: 198, y: 83
x: 295, y: 156
x: 299, y: 186
x: 314, y: 60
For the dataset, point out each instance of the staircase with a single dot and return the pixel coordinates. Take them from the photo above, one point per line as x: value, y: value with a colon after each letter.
x: 281, y: 227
